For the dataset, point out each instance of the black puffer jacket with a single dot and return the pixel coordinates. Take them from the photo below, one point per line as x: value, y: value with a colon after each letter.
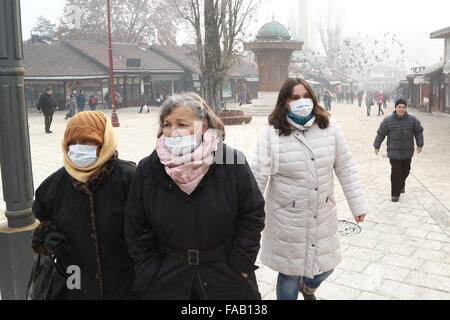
x: 46, y: 104
x: 91, y: 216
x: 224, y: 215
x: 400, y: 133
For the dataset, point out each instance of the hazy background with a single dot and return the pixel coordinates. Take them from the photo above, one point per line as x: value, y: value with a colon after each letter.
x: 411, y: 20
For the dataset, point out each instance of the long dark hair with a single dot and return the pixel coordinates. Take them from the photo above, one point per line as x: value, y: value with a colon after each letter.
x: 278, y: 116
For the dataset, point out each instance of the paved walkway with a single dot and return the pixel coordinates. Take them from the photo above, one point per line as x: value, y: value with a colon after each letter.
x: 403, y: 251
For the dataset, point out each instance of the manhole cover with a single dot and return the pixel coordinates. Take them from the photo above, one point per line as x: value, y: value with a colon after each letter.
x: 348, y: 229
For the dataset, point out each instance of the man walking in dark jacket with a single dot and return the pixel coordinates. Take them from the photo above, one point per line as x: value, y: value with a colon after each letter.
x: 81, y: 101
x: 47, y: 105
x: 400, y: 128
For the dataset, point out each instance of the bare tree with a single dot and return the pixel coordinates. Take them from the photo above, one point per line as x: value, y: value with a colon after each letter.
x: 330, y: 30
x: 132, y: 21
x: 218, y: 26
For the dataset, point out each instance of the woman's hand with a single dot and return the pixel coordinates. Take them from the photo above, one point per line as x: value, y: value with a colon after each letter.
x: 360, y: 218
x: 244, y: 275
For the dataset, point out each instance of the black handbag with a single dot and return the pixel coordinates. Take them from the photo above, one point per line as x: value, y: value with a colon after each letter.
x: 47, y: 280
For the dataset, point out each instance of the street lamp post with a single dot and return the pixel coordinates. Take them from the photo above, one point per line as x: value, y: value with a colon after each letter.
x: 15, y: 158
x: 114, y: 117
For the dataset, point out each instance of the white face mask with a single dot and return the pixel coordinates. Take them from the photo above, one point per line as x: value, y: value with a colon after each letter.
x: 181, y: 146
x: 83, y: 156
x: 302, y: 107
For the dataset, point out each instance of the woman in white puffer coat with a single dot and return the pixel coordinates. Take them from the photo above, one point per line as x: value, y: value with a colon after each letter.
x: 294, y: 163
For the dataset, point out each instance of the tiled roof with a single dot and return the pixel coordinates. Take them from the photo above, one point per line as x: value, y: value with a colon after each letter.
x: 244, y: 68
x: 183, y: 55
x: 443, y: 33
x: 57, y: 60
x: 150, y: 61
x: 186, y: 56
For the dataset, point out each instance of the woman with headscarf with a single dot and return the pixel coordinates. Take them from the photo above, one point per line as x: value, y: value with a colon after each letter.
x: 81, y: 210
x: 195, y: 214
x: 294, y: 164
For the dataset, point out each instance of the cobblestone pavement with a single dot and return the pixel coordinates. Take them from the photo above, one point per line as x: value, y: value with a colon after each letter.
x: 403, y: 251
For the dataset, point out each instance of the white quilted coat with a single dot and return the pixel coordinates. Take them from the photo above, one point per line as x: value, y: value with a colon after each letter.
x: 296, y: 174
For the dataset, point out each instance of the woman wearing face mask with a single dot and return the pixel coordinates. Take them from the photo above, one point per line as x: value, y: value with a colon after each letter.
x: 81, y: 209
x: 195, y: 214
x: 294, y: 163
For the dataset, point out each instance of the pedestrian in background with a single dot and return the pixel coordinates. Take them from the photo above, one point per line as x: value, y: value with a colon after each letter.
x: 395, y: 96
x: 47, y: 106
x: 400, y: 128
x: 352, y: 97
x: 144, y: 102
x: 294, y: 164
x: 108, y: 100
x: 369, y: 102
x: 380, y: 103
x: 81, y: 101
x: 360, y: 95
x: 242, y: 98
x: 327, y: 100
x: 194, y: 219
x: 71, y: 107
x: 385, y: 99
x: 81, y: 211
x: 92, y: 102
x: 119, y: 100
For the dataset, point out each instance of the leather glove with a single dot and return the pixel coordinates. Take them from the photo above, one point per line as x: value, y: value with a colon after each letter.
x: 56, y: 243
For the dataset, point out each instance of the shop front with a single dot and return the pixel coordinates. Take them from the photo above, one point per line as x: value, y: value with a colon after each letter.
x: 165, y: 85
x: 34, y: 89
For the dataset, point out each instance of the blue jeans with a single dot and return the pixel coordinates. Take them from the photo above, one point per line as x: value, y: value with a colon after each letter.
x: 288, y: 286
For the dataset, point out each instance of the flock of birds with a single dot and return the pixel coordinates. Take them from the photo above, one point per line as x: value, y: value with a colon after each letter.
x: 362, y: 52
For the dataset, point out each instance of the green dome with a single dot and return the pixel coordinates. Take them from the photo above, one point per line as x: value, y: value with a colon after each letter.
x: 273, y: 31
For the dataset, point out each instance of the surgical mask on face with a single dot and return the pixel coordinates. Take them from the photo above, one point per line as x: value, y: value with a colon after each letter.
x: 83, y: 156
x: 302, y: 107
x: 181, y: 146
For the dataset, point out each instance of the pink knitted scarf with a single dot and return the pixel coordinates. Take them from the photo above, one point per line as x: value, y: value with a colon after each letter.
x: 188, y: 171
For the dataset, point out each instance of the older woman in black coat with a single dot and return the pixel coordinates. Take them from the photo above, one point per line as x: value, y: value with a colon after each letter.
x: 81, y: 210
x: 195, y: 213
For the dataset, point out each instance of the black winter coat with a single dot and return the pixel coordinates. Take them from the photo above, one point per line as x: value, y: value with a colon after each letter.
x: 46, y: 104
x: 224, y: 214
x: 66, y: 205
x: 400, y: 133
x: 81, y: 100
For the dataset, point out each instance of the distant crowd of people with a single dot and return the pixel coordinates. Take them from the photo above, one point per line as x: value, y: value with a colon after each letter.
x: 77, y: 103
x: 370, y: 98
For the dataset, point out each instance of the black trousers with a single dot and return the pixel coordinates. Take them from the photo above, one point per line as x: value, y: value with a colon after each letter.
x: 380, y: 110
x: 399, y: 174
x: 48, y: 121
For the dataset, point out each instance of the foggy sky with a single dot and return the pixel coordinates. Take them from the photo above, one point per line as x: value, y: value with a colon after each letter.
x: 411, y: 20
